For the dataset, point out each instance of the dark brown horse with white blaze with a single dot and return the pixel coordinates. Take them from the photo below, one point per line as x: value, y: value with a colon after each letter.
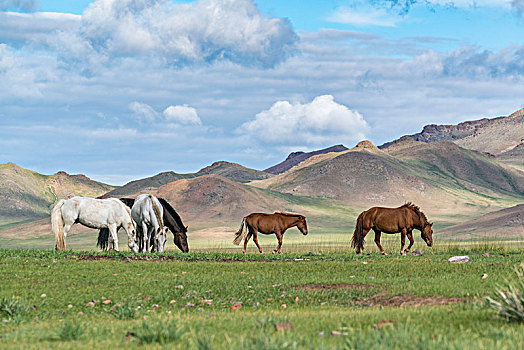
x: 392, y: 220
x: 267, y: 224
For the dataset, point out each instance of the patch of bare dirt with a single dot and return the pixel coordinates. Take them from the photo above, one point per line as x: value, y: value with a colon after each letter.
x: 92, y: 257
x: 317, y: 287
x: 383, y: 299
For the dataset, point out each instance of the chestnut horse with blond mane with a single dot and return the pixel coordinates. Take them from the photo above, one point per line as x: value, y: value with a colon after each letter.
x: 392, y: 220
x: 267, y: 224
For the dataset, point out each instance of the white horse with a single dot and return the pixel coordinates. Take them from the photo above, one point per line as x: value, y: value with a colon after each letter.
x: 94, y: 213
x: 148, y: 214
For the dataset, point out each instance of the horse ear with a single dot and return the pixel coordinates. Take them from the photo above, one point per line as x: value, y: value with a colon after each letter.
x: 186, y: 228
x: 431, y: 224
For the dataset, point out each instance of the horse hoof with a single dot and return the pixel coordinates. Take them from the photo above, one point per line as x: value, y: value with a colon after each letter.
x: 273, y: 252
x: 384, y: 253
x: 403, y: 253
x: 261, y: 252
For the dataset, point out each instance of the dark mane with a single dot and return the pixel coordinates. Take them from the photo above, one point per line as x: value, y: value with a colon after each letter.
x: 288, y: 214
x: 416, y: 209
x: 172, y: 212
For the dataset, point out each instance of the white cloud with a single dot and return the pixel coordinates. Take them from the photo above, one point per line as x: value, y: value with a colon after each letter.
x: 322, y: 121
x: 200, y: 31
x: 171, y: 116
x: 364, y: 15
x: 182, y: 114
x: 143, y: 112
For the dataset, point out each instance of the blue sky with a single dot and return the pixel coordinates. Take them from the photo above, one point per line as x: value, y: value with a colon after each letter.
x: 120, y: 90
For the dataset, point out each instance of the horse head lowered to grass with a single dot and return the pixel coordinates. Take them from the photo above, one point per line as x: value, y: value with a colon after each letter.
x: 392, y: 220
x: 171, y: 220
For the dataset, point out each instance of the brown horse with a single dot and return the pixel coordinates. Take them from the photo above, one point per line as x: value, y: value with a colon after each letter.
x: 267, y: 224
x: 392, y: 220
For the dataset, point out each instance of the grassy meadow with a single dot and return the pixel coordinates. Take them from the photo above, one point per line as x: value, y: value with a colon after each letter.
x: 214, y: 300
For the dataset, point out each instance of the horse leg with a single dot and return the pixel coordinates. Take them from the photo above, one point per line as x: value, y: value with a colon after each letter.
x: 255, y: 239
x: 402, y: 241
x: 147, y: 240
x: 246, y: 240
x: 113, y: 230
x: 279, y: 247
x: 364, y: 233
x: 143, y: 237
x: 411, y: 240
x: 377, y: 241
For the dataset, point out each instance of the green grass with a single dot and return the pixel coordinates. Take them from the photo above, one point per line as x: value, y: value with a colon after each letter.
x: 167, y: 315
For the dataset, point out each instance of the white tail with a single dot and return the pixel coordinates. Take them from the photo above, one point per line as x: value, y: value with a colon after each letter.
x: 241, y: 233
x: 57, y: 225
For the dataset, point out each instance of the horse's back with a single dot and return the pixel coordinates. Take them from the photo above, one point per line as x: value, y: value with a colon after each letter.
x: 387, y: 219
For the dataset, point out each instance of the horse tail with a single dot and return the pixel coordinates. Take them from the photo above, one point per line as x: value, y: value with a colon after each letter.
x: 103, y: 238
x: 57, y: 225
x: 358, y: 235
x: 156, y: 209
x: 241, y: 233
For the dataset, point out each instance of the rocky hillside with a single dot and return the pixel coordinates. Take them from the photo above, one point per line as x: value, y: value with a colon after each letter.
x: 26, y: 194
x: 297, y: 157
x: 494, y: 136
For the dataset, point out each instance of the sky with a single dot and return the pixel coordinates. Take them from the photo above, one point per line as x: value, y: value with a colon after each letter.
x: 123, y: 89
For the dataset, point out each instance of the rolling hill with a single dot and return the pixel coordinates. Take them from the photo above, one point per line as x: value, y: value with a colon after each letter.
x: 440, y: 176
x: 502, y: 224
x: 232, y: 171
x: 26, y: 194
x: 297, y: 157
x: 494, y: 136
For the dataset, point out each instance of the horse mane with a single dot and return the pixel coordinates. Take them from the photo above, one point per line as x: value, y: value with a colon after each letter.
x: 172, y: 212
x: 417, y: 211
x: 285, y: 213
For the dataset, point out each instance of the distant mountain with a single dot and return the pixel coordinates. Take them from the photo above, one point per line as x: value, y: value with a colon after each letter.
x: 434, y: 174
x: 447, y: 165
x: 147, y: 183
x: 514, y: 157
x: 298, y: 157
x: 505, y: 223
x: 494, y: 136
x: 232, y: 171
x: 25, y: 194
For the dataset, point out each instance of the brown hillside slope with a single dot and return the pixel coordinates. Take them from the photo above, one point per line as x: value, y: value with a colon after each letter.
x: 232, y: 171
x: 495, y: 135
x: 26, y: 194
x: 295, y: 158
x: 215, y: 198
x: 505, y: 223
x: 359, y: 177
x: 439, y: 175
x: 447, y: 165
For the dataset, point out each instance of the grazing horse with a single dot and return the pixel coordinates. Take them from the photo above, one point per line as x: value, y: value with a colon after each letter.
x: 171, y: 220
x: 174, y: 222
x: 392, y: 220
x: 267, y: 224
x: 149, y: 217
x: 94, y: 213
